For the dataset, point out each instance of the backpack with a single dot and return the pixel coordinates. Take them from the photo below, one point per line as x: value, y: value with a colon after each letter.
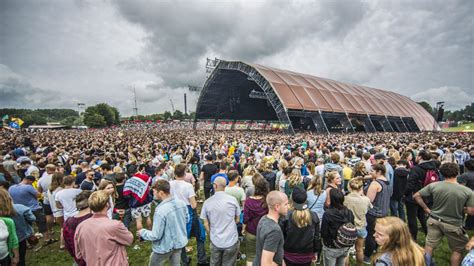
x: 431, y: 176
x: 346, y: 236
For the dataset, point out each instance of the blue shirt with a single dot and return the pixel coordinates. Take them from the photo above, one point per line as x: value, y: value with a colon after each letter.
x: 316, y: 206
x: 389, y: 175
x: 23, y: 220
x: 25, y: 195
x: 169, y: 226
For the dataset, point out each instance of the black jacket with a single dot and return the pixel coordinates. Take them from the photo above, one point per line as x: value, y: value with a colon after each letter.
x: 400, y: 182
x: 416, y: 178
x: 332, y: 219
x: 301, y: 240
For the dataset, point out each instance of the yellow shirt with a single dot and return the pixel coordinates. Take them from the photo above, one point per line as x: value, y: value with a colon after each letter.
x: 347, y: 173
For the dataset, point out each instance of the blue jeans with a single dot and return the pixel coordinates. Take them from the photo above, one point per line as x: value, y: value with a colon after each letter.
x: 397, y: 208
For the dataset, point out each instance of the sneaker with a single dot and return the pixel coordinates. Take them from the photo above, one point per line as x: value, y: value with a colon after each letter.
x: 367, y: 261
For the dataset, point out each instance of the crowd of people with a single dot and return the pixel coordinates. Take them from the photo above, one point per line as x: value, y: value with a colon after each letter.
x: 266, y: 198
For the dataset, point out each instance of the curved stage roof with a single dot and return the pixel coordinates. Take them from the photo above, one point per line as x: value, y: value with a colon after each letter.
x: 302, y: 92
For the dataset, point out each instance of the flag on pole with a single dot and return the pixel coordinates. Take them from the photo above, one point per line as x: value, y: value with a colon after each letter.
x: 5, y: 117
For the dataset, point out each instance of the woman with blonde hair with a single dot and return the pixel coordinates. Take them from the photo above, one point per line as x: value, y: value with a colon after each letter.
x: 316, y: 196
x: 359, y: 205
x: 301, y: 231
x: 294, y: 180
x: 109, y: 187
x: 58, y: 214
x: 248, y: 174
x: 333, y: 181
x: 396, y: 244
x: 282, y: 165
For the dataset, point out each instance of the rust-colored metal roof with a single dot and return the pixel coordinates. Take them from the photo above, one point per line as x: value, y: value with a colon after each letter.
x: 305, y: 92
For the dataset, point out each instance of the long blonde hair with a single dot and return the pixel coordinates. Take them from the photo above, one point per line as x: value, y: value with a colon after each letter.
x: 6, y: 204
x: 302, y: 218
x: 403, y: 250
x: 295, y: 178
x: 316, y: 185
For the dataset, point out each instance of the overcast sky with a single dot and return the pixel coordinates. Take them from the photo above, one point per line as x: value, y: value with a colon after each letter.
x: 58, y: 53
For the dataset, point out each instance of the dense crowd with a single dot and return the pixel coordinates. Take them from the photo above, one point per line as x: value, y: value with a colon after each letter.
x: 266, y: 198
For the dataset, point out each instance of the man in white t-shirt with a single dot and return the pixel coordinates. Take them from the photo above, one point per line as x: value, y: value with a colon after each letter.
x: 184, y: 191
x: 43, y: 186
x: 66, y: 198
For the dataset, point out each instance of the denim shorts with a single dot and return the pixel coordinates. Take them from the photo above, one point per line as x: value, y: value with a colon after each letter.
x: 362, y: 233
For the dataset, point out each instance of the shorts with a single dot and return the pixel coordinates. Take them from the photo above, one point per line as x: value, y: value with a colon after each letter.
x: 362, y: 233
x: 40, y: 220
x: 142, y: 211
x: 250, y: 242
x: 457, y: 237
x: 47, y: 209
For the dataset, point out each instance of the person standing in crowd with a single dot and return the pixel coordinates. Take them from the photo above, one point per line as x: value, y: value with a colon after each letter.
x: 301, y: 231
x: 396, y: 244
x: 220, y: 214
x: 334, y: 217
x: 24, y: 193
x: 107, y: 172
x: 122, y: 206
x: 22, y: 218
x: 461, y: 157
x: 43, y: 186
x: 270, y: 239
x: 109, y: 187
x: 137, y: 190
x: 234, y: 189
x: 447, y: 213
x: 415, y: 182
x: 184, y: 191
x: 467, y: 179
x: 380, y: 158
x: 81, y: 201
x: 397, y: 208
x: 100, y: 240
x: 88, y: 183
x: 207, y: 171
x: 65, y: 199
x: 379, y: 195
x: 359, y: 204
x: 333, y: 165
x: 333, y: 182
x: 254, y: 209
x: 58, y: 213
x: 9, y: 254
x: 168, y: 234
x: 316, y: 196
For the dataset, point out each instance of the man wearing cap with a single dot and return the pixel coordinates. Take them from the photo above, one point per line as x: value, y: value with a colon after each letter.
x: 221, y: 213
x: 24, y: 193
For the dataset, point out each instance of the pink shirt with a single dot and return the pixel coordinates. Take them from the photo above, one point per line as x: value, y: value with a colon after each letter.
x: 101, y: 241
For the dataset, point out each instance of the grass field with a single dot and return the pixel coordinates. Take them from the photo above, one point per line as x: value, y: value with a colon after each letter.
x: 463, y: 128
x: 52, y: 255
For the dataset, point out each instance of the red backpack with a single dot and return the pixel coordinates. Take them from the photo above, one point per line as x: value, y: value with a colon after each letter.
x: 431, y: 176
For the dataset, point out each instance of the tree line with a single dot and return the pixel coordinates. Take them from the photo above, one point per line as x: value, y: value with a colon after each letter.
x: 464, y: 114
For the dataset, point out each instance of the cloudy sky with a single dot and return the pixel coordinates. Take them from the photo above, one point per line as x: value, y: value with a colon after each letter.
x: 59, y: 53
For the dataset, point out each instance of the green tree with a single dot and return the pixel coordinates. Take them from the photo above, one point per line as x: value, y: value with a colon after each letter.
x: 94, y: 120
x: 167, y: 115
x: 107, y: 113
x: 69, y: 121
x: 178, y: 115
x: 426, y: 106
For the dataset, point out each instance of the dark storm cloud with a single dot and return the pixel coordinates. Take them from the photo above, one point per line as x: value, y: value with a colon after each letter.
x: 181, y: 35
